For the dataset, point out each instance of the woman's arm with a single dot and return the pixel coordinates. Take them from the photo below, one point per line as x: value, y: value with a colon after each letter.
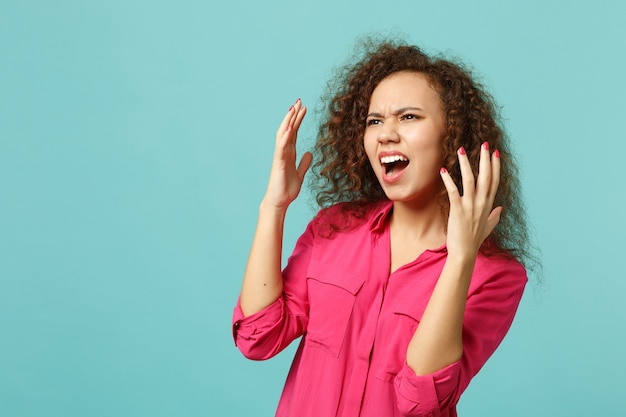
x: 494, y: 295
x: 262, y: 282
x: 437, y: 342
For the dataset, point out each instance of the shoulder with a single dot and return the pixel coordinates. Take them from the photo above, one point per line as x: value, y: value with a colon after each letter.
x: 345, y: 217
x: 499, y: 268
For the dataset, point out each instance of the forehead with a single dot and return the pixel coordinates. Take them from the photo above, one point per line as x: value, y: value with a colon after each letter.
x: 405, y: 88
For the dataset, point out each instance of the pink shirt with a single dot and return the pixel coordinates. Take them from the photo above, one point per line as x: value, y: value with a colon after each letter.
x: 357, y: 320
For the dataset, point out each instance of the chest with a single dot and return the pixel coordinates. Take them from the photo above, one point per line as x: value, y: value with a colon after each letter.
x: 404, y: 251
x: 365, y: 311
x: 353, y: 295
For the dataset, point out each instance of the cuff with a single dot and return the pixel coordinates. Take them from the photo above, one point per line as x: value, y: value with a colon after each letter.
x: 248, y: 327
x: 424, y: 395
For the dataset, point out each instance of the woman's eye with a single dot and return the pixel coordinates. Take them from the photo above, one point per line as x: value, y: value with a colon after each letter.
x: 409, y: 116
x: 372, y: 122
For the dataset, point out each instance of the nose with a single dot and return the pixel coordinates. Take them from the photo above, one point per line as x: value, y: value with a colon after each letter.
x: 388, y: 132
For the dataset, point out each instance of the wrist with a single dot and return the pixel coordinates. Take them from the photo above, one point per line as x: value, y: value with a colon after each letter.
x: 462, y: 262
x: 271, y: 209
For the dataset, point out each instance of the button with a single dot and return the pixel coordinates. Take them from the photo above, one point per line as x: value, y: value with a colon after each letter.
x: 235, y: 328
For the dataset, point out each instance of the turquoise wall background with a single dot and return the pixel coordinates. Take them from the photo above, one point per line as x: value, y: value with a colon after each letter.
x: 135, y: 142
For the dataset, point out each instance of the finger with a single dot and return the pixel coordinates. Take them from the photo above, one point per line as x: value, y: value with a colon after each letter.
x: 299, y: 117
x: 492, y: 221
x: 284, y: 134
x: 451, y: 188
x: 304, y: 164
x: 495, y: 175
x: 484, y: 173
x: 294, y: 112
x: 285, y: 123
x: 296, y: 107
x: 467, y: 175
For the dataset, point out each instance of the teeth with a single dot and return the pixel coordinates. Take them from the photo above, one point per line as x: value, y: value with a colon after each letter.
x: 392, y: 158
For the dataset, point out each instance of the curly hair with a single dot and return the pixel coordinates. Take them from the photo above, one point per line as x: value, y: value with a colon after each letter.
x: 342, y: 171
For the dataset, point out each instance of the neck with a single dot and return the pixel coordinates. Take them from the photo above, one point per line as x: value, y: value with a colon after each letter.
x: 418, y: 223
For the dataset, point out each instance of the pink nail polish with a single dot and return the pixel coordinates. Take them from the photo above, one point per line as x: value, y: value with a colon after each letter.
x: 291, y: 108
x: 486, y: 146
x: 443, y: 170
x: 496, y: 153
x: 462, y: 150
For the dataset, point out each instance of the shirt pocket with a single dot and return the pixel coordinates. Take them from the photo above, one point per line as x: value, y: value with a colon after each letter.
x: 399, y: 328
x: 332, y: 294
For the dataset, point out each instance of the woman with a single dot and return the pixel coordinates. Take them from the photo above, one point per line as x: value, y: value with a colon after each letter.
x: 409, y: 278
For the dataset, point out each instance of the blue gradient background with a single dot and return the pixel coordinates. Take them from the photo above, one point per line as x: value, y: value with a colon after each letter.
x: 135, y: 142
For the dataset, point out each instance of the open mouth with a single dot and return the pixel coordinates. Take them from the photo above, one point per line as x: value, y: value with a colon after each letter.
x: 394, y: 164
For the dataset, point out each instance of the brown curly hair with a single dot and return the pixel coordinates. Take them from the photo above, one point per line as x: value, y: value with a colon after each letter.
x: 343, y: 174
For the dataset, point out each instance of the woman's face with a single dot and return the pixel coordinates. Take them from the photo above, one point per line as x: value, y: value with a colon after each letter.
x: 404, y: 134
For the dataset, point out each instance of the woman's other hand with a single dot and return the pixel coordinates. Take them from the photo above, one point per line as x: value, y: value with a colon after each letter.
x: 472, y: 216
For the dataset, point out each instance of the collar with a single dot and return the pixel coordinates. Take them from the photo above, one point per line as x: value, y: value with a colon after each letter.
x: 380, y: 216
x: 380, y: 220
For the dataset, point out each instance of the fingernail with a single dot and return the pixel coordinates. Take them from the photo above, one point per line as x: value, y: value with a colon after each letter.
x: 486, y: 146
x: 462, y: 150
x: 443, y: 170
x: 496, y: 154
x: 291, y: 108
x: 298, y: 100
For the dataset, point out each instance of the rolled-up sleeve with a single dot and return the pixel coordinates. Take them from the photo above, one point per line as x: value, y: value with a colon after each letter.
x: 261, y: 335
x: 491, y: 306
x: 420, y: 395
x: 264, y: 334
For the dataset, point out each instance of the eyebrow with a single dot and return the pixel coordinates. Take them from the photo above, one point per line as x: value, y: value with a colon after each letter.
x: 395, y: 112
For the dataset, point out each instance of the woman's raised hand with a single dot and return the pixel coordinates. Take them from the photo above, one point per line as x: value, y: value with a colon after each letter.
x: 263, y: 281
x: 285, y: 178
x: 472, y: 216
